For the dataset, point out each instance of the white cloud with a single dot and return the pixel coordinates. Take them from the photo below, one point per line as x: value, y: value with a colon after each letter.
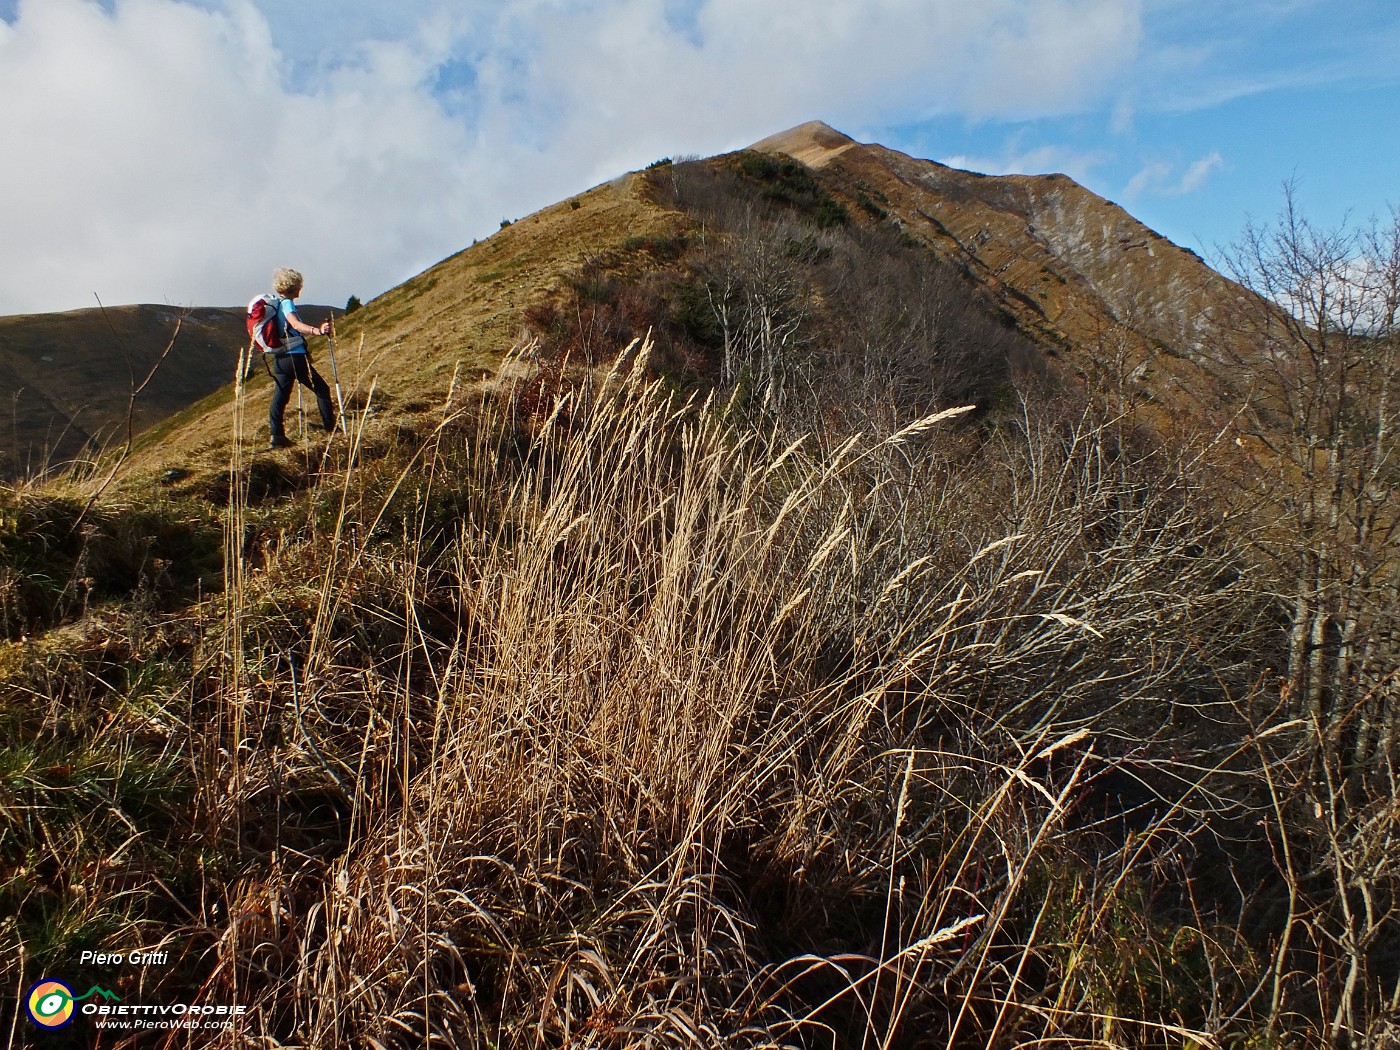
x: 1159, y: 178
x: 750, y: 69
x: 165, y: 160
x: 177, y: 150
x: 1149, y: 178
x: 1122, y: 119
x: 1199, y: 171
x: 1016, y: 159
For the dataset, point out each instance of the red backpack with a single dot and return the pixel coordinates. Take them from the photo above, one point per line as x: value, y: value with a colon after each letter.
x: 265, y: 323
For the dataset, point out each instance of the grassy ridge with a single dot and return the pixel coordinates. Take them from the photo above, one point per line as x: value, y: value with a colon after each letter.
x: 569, y: 702
x: 601, y: 720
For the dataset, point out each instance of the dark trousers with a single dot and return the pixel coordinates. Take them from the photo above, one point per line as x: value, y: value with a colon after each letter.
x: 287, y: 371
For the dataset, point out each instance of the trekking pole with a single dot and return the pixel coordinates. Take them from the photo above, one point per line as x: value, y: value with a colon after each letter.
x: 335, y: 375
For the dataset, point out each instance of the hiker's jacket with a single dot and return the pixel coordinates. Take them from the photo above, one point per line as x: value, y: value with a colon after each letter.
x: 293, y: 341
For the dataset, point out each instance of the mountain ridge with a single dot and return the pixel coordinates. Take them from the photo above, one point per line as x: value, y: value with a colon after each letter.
x: 1074, y: 267
x: 791, y: 567
x: 1101, y: 293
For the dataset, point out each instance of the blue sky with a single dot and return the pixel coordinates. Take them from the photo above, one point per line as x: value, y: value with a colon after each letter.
x: 175, y: 151
x: 1223, y: 104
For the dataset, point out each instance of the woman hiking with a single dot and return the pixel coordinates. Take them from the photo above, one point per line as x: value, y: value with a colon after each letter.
x: 292, y: 364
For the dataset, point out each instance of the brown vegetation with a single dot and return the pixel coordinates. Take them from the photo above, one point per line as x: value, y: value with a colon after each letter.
x: 747, y: 688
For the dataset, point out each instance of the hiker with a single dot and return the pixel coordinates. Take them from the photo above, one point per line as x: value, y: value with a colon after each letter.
x: 292, y: 364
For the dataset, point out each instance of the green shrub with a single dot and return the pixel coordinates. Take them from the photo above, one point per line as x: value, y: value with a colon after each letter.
x: 788, y: 183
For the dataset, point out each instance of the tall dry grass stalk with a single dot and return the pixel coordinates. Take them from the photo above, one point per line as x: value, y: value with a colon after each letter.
x: 231, y: 644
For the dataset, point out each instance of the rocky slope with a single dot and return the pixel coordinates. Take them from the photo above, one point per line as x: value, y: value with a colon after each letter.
x: 1080, y: 275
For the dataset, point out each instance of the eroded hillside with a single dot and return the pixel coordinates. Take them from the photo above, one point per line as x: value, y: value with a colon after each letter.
x: 1082, y: 277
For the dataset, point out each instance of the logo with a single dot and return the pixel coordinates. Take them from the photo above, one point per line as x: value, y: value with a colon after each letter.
x: 51, y: 1003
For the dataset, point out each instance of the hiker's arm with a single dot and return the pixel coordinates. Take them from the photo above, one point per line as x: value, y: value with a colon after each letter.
x: 306, y: 329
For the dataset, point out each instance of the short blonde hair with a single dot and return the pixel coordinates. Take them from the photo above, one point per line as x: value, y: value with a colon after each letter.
x: 285, y: 281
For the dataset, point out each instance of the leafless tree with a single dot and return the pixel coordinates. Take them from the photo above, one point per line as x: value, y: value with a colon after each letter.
x: 1314, y: 361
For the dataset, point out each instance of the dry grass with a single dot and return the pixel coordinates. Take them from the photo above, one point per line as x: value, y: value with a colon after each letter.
x: 563, y: 711
x: 674, y: 736
x: 601, y: 722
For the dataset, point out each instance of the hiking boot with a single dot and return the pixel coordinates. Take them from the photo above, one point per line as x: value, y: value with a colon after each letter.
x: 279, y: 441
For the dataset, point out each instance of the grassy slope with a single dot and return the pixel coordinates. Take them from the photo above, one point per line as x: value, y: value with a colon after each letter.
x: 71, y: 374
x: 459, y: 318
x: 507, y: 729
x: 632, y: 702
x: 1117, y: 303
x: 1080, y: 275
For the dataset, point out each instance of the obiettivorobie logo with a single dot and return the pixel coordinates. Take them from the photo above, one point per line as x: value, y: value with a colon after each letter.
x: 51, y: 1003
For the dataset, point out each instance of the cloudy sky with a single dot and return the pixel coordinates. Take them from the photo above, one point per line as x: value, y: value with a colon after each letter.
x: 175, y: 151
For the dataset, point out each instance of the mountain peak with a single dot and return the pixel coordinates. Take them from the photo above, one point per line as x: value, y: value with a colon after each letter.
x: 813, y: 143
